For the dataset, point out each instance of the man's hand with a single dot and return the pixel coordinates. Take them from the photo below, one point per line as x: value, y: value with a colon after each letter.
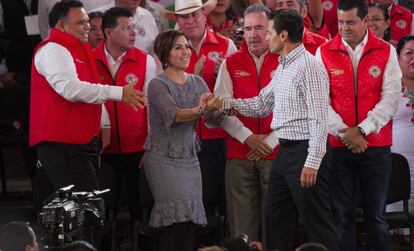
x: 8, y: 79
x: 308, y: 177
x: 354, y: 140
x: 257, y: 145
x: 105, y: 138
x: 214, y: 104
x: 199, y: 66
x: 133, y: 98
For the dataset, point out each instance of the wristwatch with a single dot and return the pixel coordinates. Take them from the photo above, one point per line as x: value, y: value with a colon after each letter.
x: 361, y: 130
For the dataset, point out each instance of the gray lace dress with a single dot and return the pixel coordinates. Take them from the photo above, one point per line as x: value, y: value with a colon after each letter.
x: 170, y: 162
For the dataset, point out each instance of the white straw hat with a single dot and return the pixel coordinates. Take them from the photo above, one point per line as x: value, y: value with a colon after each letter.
x: 188, y: 6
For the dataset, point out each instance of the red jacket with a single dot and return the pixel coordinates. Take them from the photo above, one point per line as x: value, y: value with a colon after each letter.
x: 330, y: 18
x: 128, y: 127
x: 52, y: 117
x: 354, y: 108
x: 214, y: 45
x: 312, y: 41
x: 247, y: 83
x: 401, y: 20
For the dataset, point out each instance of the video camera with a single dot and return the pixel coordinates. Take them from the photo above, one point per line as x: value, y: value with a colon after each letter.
x: 70, y: 216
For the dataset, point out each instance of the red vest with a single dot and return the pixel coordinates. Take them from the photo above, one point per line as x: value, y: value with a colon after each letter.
x: 401, y: 20
x: 247, y: 83
x: 312, y: 41
x: 213, y: 45
x: 354, y: 109
x: 128, y: 127
x: 52, y: 117
x: 321, y: 31
x: 330, y: 18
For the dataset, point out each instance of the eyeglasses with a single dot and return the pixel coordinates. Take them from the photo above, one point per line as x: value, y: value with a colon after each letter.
x: 376, y: 19
x: 129, y: 28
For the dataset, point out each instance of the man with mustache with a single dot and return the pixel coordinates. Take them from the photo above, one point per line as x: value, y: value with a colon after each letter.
x: 250, y: 144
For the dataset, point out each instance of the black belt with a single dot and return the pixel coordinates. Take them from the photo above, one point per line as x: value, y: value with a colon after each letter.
x: 288, y: 142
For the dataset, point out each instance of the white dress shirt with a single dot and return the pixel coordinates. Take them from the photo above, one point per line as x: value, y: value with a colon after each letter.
x: 55, y: 63
x: 391, y: 88
x: 151, y: 67
x: 231, y: 124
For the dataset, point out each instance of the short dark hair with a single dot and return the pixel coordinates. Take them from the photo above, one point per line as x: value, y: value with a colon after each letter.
x: 290, y: 21
x: 402, y: 42
x: 384, y: 10
x: 79, y: 246
x: 61, y: 9
x: 312, y: 246
x: 360, y: 5
x: 110, y: 17
x: 164, y: 43
x: 95, y: 14
x: 15, y: 236
x: 257, y: 8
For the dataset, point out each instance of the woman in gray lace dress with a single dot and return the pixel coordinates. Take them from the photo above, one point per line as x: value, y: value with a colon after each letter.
x: 175, y: 102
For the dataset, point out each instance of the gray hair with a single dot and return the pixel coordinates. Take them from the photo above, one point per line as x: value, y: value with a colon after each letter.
x: 257, y: 8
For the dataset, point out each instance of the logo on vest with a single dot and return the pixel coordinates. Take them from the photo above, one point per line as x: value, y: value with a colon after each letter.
x: 336, y: 72
x: 401, y: 24
x: 327, y: 5
x: 141, y: 31
x: 214, y: 56
x: 79, y: 61
x: 240, y: 74
x: 374, y: 71
x: 131, y: 78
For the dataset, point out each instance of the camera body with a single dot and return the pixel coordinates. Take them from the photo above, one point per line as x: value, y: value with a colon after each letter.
x: 70, y: 216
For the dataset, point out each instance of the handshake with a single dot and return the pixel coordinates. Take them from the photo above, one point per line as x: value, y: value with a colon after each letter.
x: 210, y: 103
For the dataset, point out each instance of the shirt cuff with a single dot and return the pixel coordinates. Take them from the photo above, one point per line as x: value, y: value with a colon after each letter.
x: 227, y: 104
x: 367, y: 126
x: 115, y: 93
x: 272, y: 140
x: 313, y: 161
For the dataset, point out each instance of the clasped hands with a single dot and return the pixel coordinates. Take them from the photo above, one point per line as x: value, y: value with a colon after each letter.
x: 209, y: 103
x: 354, y: 140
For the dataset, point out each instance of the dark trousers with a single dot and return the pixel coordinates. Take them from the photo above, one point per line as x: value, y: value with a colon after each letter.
x: 372, y: 170
x: 127, y: 170
x: 287, y: 201
x: 66, y: 164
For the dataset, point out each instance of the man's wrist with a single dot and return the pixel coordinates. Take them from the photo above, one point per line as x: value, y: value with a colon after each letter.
x: 362, y: 131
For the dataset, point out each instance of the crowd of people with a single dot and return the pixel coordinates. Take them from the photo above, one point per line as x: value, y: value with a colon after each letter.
x: 297, y: 104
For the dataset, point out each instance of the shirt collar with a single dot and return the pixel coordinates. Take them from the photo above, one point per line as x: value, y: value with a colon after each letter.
x: 362, y: 44
x: 292, y: 56
x: 110, y: 58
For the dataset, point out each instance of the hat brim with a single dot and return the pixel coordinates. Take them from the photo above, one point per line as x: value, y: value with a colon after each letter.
x: 207, y: 7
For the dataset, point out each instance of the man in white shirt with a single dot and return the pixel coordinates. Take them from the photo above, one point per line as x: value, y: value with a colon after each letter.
x: 65, y: 105
x: 365, y: 85
x: 243, y: 75
x: 145, y: 24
